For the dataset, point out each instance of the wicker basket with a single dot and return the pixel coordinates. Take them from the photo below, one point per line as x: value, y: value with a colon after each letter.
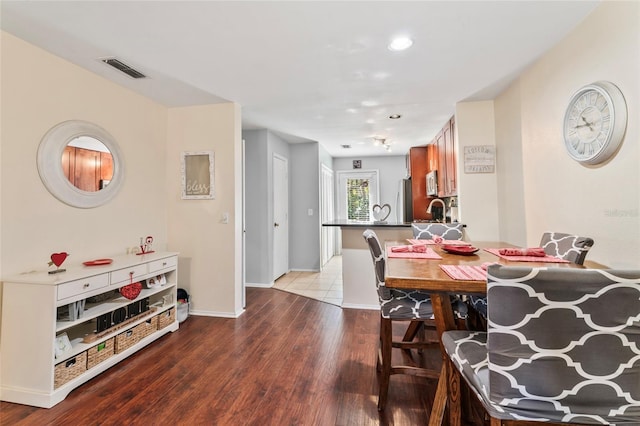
x: 100, y: 352
x: 166, y: 318
x: 69, y: 369
x: 133, y: 335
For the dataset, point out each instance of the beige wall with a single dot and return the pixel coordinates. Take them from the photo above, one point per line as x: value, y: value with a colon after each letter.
x: 475, y: 125
x: 210, y: 251
x: 560, y: 194
x: 40, y: 90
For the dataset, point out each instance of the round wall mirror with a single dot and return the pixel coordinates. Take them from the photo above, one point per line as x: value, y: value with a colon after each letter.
x: 80, y: 164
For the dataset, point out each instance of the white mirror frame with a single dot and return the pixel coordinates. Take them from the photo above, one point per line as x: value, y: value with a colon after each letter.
x: 49, y: 161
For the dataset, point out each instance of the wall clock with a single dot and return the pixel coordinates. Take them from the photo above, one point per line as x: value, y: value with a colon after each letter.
x: 595, y: 122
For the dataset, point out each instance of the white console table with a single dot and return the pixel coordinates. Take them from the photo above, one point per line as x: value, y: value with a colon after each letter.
x: 117, y: 327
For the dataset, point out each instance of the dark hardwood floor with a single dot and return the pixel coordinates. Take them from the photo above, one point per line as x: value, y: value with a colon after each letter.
x: 288, y: 360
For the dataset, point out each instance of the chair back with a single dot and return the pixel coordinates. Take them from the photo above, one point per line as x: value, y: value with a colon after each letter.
x: 378, y: 263
x: 426, y: 231
x: 565, y: 343
x: 566, y: 246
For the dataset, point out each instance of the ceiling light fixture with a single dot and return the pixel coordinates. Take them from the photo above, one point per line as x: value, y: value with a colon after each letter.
x: 399, y: 44
x: 378, y: 141
x: 395, y: 116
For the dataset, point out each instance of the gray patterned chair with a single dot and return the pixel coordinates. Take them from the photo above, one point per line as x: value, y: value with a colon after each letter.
x: 565, y: 246
x: 556, y: 350
x: 427, y: 230
x: 396, y: 305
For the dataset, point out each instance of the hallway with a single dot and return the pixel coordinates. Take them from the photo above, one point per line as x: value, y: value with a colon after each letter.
x: 325, y: 286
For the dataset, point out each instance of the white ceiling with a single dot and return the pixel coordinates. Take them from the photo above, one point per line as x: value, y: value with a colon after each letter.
x: 303, y: 69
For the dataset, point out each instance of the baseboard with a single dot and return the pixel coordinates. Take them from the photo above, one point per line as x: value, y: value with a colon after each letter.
x: 358, y: 306
x: 260, y: 285
x: 304, y: 270
x: 216, y: 314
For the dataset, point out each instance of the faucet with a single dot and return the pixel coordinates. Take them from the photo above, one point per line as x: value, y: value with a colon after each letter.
x: 444, y: 208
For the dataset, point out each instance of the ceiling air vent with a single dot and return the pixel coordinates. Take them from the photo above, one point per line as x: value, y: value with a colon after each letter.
x: 346, y: 146
x: 121, y: 66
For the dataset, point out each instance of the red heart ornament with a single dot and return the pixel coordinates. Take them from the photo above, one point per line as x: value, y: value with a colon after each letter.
x: 58, y: 258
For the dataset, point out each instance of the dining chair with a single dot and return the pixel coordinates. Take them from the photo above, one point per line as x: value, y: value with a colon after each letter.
x: 555, y: 351
x: 397, y: 305
x: 564, y: 246
x: 427, y: 230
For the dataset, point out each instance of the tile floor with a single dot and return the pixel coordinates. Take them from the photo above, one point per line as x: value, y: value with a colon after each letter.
x: 325, y: 286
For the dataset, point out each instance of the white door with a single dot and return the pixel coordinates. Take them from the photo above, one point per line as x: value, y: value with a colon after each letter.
x: 280, y: 216
x: 244, y: 230
x: 327, y: 215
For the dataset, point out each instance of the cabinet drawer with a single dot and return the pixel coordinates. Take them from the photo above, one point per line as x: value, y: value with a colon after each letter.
x: 74, y: 288
x: 128, y: 275
x: 158, y: 265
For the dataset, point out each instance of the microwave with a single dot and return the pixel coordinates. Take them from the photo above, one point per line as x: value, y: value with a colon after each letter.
x: 432, y: 183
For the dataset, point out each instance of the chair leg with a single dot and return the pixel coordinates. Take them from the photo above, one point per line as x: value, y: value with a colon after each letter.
x: 412, y: 331
x: 453, y: 393
x: 385, y: 344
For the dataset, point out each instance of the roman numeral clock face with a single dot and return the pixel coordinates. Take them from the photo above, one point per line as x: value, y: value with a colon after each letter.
x: 595, y: 122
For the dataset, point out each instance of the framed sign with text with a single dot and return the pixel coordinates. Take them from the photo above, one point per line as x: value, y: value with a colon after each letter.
x: 197, y: 170
x: 480, y: 159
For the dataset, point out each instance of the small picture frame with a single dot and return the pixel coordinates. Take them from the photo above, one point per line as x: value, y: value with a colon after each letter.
x: 357, y: 164
x: 197, y: 170
x: 62, y: 346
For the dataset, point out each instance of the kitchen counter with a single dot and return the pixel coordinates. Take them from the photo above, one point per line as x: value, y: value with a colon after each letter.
x: 358, y: 279
x: 353, y: 224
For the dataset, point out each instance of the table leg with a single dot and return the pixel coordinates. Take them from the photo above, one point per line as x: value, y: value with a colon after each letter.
x: 440, y: 400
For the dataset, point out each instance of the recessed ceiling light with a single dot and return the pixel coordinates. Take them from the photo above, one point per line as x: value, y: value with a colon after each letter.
x: 395, y: 116
x: 400, y: 43
x: 369, y: 103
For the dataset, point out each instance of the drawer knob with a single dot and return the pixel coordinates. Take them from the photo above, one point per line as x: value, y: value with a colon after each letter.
x: 164, y: 263
x: 86, y: 285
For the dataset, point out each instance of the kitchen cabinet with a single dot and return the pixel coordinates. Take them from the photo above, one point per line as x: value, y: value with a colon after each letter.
x: 444, y: 143
x: 86, y: 168
x: 61, y: 330
x: 418, y: 163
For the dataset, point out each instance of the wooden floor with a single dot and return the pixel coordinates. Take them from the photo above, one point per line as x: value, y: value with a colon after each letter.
x: 288, y: 360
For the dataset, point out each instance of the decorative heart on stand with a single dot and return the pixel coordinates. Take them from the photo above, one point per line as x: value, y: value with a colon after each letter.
x: 381, y: 212
x: 59, y: 258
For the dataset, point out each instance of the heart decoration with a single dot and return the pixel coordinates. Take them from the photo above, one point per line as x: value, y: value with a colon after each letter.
x: 131, y: 291
x: 59, y: 258
x: 381, y: 212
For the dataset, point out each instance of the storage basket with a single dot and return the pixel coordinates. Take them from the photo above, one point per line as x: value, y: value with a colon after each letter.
x: 100, y: 352
x: 69, y: 369
x: 133, y: 335
x: 166, y: 318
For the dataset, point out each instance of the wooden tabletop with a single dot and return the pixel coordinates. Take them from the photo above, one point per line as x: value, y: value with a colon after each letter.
x: 425, y: 274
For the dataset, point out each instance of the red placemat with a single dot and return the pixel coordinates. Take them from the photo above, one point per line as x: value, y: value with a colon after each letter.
x: 451, y: 242
x: 465, y: 272
x: 546, y: 259
x: 428, y: 254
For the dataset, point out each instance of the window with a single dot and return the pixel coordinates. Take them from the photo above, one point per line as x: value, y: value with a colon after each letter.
x: 357, y: 193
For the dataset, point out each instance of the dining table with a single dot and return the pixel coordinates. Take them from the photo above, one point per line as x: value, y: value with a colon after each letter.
x: 427, y: 272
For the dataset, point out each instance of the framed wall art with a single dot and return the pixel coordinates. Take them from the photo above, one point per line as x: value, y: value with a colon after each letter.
x: 197, y: 169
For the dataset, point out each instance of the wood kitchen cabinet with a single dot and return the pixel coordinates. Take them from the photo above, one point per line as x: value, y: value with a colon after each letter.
x: 444, y: 143
x: 85, y: 168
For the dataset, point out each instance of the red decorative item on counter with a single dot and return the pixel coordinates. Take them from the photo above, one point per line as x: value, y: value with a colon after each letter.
x: 131, y: 291
x: 57, y: 259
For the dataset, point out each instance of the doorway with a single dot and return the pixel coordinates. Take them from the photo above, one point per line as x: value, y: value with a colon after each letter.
x: 280, y: 216
x: 327, y: 236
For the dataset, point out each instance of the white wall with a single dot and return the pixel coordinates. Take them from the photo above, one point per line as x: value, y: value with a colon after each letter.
x: 602, y: 202
x: 391, y: 170
x: 40, y: 90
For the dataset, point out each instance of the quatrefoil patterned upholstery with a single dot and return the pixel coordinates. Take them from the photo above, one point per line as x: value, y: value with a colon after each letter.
x: 426, y: 231
x: 565, y: 246
x: 394, y: 303
x: 563, y: 345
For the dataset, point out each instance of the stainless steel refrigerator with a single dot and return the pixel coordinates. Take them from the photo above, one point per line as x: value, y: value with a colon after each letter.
x: 404, y: 202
